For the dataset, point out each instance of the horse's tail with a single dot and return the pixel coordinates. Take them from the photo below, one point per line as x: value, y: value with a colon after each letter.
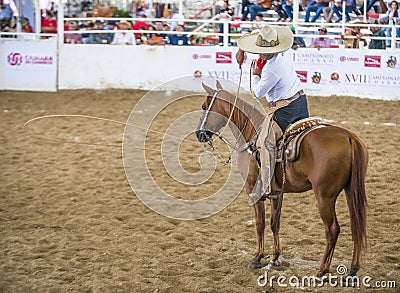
x: 356, y: 196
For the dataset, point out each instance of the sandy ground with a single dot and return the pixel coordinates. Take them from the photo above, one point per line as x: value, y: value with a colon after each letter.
x: 69, y: 221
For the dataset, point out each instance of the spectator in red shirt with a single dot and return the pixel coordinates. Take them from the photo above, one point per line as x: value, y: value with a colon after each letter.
x: 140, y: 25
x: 26, y: 27
x: 49, y: 24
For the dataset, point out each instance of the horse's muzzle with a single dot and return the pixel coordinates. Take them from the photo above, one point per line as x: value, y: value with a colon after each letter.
x: 203, y: 136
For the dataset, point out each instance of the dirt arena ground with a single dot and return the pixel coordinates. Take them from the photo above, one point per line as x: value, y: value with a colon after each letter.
x: 69, y: 221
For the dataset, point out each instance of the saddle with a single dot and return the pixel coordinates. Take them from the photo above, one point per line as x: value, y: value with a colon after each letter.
x: 288, y: 146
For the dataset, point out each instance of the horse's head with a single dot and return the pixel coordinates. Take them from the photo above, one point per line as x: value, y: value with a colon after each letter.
x: 215, y: 113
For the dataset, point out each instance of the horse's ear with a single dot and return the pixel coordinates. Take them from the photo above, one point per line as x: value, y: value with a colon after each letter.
x: 219, y: 85
x: 209, y: 90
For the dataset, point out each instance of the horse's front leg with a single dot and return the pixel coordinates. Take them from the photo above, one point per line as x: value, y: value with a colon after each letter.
x: 259, y: 211
x: 247, y: 163
x: 276, y: 205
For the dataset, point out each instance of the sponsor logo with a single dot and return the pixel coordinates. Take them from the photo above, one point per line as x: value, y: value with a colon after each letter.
x: 316, y: 78
x: 314, y: 58
x: 372, y: 61
x: 14, y: 59
x: 225, y: 74
x: 223, y: 57
x: 201, y: 56
x: 391, y: 62
x: 31, y: 59
x: 348, y: 59
x: 302, y: 75
x: 335, y: 76
x: 372, y: 79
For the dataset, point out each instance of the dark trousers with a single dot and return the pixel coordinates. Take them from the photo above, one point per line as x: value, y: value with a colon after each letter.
x: 295, y: 111
x: 221, y: 30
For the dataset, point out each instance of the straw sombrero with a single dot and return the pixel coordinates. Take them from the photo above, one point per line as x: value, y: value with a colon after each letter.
x: 270, y: 39
x: 128, y: 24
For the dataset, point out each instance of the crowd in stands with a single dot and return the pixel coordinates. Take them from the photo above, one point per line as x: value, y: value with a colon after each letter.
x: 174, y: 32
x: 120, y: 33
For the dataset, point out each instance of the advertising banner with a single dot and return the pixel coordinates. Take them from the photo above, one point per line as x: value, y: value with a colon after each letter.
x: 363, y: 73
x: 28, y: 64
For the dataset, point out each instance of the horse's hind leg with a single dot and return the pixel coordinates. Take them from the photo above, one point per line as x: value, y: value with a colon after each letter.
x: 276, y: 206
x: 326, y: 207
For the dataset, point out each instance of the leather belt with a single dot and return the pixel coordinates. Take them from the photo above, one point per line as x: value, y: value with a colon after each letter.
x: 296, y: 96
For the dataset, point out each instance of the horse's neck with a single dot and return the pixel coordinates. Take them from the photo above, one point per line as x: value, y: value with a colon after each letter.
x: 244, y: 121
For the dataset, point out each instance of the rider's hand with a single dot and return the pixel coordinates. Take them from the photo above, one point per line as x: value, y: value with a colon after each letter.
x: 240, y: 57
x: 256, y: 71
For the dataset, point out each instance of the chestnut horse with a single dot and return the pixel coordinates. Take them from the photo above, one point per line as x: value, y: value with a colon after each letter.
x: 331, y: 159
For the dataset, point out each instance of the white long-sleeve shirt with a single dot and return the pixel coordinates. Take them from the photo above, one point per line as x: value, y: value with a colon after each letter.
x: 278, y: 80
x: 124, y: 38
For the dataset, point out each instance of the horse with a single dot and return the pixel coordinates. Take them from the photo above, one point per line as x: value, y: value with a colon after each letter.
x: 331, y: 159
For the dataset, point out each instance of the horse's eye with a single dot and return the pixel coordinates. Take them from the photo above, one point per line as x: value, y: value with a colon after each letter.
x: 204, y: 107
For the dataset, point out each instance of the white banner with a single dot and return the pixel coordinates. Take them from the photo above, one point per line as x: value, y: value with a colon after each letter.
x: 28, y: 64
x: 363, y: 73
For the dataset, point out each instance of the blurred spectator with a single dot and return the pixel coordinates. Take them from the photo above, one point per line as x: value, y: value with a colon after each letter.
x: 99, y: 38
x: 350, y: 7
x: 26, y: 27
x: 124, y: 38
x: 353, y: 37
x: 111, y: 25
x: 288, y: 8
x: 391, y: 18
x: 298, y: 42
x: 179, y: 39
x: 86, y: 25
x: 10, y: 27
x: 166, y: 27
x: 49, y: 24
x: 258, y: 23
x: 322, y: 41
x: 260, y: 6
x: 158, y: 38
x: 224, y: 15
x: 246, y: 8
x: 370, y: 4
x: 376, y: 32
x: 5, y: 14
x: 277, y: 7
x: 176, y: 19
x: 72, y: 38
x: 138, y: 8
x: 328, y: 11
x: 316, y: 6
x: 141, y: 25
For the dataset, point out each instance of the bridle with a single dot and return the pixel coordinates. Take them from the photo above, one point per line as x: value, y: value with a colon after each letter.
x: 233, y: 147
x: 208, y: 112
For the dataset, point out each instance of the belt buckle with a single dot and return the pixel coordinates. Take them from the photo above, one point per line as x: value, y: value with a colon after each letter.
x: 272, y: 104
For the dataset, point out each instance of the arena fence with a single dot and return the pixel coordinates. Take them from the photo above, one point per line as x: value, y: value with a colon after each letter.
x: 38, y: 64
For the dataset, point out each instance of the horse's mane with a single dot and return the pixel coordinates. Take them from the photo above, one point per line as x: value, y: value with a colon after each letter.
x: 244, y: 112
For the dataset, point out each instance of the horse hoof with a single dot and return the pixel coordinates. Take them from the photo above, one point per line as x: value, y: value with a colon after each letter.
x: 321, y: 273
x: 274, y: 263
x: 354, y: 270
x: 254, y: 265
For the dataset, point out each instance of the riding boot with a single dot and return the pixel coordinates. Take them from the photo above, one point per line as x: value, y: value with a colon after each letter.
x: 255, y: 196
x: 274, y: 189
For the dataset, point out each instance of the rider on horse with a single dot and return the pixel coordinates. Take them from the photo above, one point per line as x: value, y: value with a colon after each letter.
x: 273, y: 77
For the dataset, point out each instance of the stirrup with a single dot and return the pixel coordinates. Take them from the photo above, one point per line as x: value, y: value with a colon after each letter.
x: 274, y: 194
